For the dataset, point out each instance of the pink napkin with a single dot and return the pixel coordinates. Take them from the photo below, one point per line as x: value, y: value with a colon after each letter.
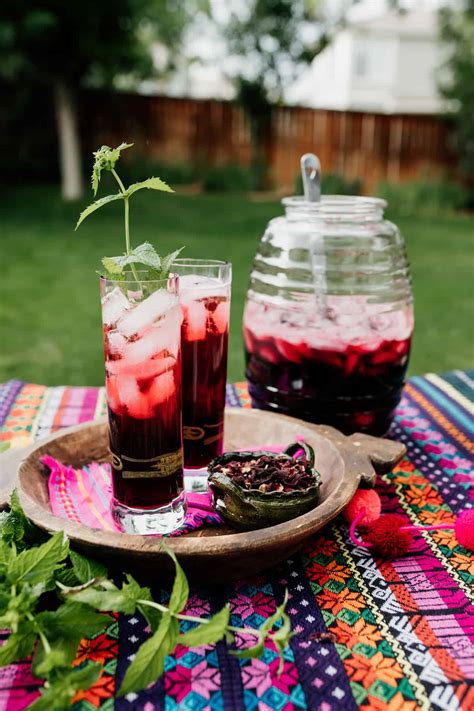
x: 83, y: 496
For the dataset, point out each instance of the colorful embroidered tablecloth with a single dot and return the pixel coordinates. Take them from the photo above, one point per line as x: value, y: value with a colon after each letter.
x: 402, y: 631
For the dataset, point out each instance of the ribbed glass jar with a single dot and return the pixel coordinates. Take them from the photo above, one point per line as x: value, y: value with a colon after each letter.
x: 329, y: 314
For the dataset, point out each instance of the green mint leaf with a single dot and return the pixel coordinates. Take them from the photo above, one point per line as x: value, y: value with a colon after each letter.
x: 65, y: 628
x: 45, y: 662
x: 38, y: 564
x: 112, y: 267
x: 72, y: 620
x: 282, y: 637
x: 105, y: 159
x: 149, y: 661
x: 279, y: 614
x: 180, y: 592
x: 39, y: 588
x: 18, y: 645
x: 143, y: 254
x: 207, y: 633
x: 108, y: 275
x: 20, y: 603
x: 11, y: 528
x: 96, y: 205
x: 150, y: 184
x: 283, y: 633
x: 134, y: 589
x: 15, y: 502
x: 67, y: 578
x: 5, y: 596
x: 4, y: 446
x: 6, y: 554
x: 105, y: 596
x: 252, y: 652
x: 16, y: 528
x: 106, y: 600
x: 167, y: 262
x: 86, y: 568
x: 58, y: 693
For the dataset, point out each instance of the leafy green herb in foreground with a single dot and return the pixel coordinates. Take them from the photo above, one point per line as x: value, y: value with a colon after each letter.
x: 145, y: 254
x: 52, y: 597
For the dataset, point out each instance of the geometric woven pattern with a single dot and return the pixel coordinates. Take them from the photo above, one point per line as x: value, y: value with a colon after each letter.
x: 370, y: 634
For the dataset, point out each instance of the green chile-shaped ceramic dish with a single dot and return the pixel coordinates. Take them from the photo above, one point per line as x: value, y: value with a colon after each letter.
x: 247, y: 509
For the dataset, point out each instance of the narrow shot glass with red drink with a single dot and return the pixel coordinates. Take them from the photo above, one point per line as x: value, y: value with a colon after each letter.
x: 204, y: 292
x: 141, y: 326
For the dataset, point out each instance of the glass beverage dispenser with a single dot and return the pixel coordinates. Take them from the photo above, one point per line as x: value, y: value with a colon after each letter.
x: 329, y: 312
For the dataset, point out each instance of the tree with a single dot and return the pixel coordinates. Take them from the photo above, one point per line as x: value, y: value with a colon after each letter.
x: 64, y: 46
x: 457, y: 32
x: 273, y: 40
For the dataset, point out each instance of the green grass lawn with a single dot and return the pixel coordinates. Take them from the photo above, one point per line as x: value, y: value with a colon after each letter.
x: 49, y: 303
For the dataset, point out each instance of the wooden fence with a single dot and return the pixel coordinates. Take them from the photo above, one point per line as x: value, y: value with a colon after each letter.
x: 372, y: 147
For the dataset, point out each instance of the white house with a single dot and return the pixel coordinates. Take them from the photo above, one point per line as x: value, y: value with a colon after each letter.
x: 385, y: 64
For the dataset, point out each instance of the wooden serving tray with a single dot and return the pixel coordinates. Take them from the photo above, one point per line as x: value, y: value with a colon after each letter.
x: 212, y: 554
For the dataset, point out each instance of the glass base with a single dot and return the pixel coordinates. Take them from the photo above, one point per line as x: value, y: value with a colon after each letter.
x: 195, y: 480
x: 146, y: 522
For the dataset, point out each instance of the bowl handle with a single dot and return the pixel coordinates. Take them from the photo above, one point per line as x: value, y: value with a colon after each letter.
x: 383, y: 453
x: 365, y: 455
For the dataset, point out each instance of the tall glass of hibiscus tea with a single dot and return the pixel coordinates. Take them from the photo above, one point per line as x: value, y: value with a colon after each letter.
x: 141, y: 319
x: 141, y: 326
x: 204, y: 288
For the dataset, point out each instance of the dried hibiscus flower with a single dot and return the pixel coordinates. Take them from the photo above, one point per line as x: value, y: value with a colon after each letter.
x: 258, y: 489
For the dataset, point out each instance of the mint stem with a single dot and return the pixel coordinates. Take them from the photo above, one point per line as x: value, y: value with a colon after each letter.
x: 200, y: 620
x: 127, y: 227
x: 41, y: 634
x: 117, y: 178
x: 128, y: 247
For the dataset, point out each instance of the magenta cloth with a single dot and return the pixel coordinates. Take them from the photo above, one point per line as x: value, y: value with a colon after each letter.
x: 83, y: 496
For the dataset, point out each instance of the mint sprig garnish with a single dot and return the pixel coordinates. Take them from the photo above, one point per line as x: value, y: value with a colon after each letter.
x: 52, y: 597
x: 105, y: 159
x: 145, y: 254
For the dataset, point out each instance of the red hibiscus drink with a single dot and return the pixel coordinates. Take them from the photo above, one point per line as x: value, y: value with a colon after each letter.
x: 345, y: 368
x: 204, y: 288
x: 141, y: 325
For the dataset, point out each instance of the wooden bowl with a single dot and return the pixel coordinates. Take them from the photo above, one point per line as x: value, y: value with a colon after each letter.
x: 212, y: 554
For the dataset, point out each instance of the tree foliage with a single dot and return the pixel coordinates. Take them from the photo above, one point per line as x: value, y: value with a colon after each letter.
x: 457, y: 85
x: 273, y: 40
x: 83, y: 43
x: 46, y: 43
